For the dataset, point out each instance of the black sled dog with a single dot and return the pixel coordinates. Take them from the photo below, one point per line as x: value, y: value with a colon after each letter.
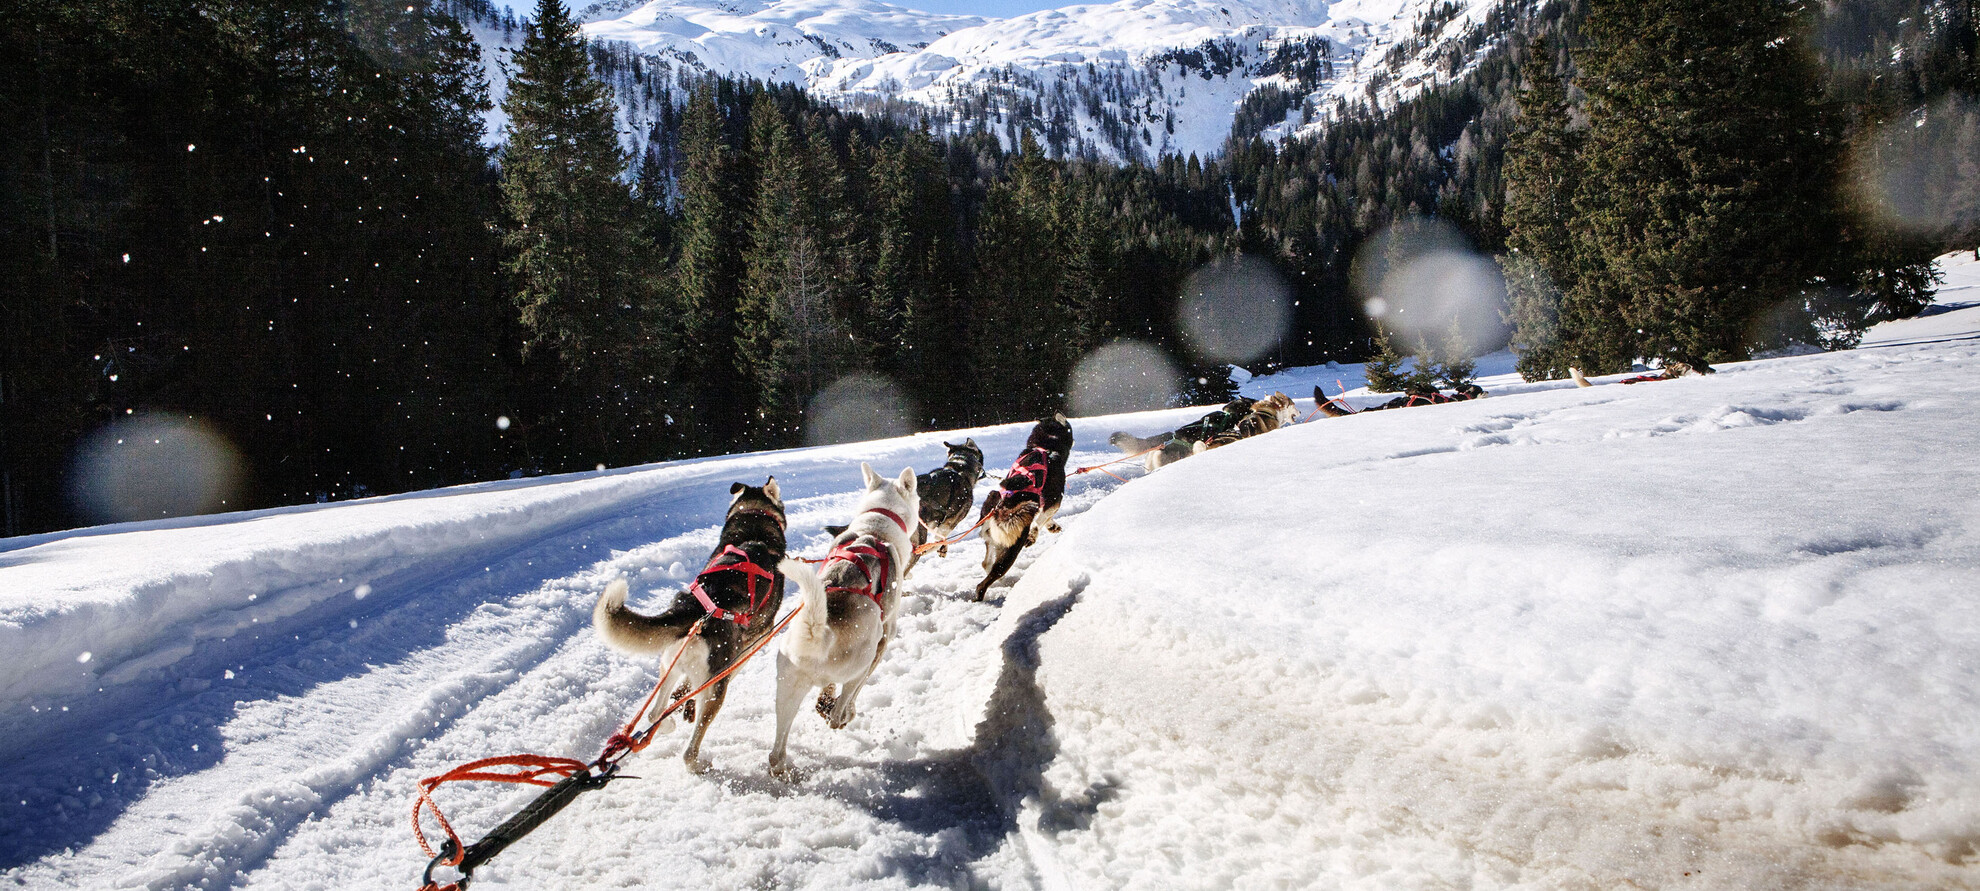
x: 1026, y: 501
x: 737, y: 595
x: 947, y: 493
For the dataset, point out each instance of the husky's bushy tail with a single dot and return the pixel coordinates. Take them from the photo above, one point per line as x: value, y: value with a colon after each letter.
x: 814, y: 625
x: 628, y: 631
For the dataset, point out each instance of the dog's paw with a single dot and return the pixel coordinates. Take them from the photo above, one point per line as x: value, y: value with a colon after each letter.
x: 687, y: 711
x: 842, y: 714
x: 942, y: 551
x: 827, y: 699
x: 696, y: 764
x: 1053, y: 528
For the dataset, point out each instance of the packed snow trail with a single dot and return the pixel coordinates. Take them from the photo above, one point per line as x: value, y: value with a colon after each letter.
x: 271, y: 683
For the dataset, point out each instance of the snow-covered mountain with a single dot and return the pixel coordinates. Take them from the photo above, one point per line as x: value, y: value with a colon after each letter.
x: 791, y: 41
x: 1134, y: 79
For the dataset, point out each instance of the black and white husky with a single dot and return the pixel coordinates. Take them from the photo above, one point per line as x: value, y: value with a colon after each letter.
x: 1024, y: 504
x: 850, y: 607
x: 737, y: 595
x: 947, y: 493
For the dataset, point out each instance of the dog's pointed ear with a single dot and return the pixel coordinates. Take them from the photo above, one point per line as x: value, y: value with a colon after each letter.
x: 736, y: 488
x: 907, y: 480
x: 947, y: 444
x: 873, y: 480
x: 971, y: 442
x: 770, y: 489
x: 1060, y: 417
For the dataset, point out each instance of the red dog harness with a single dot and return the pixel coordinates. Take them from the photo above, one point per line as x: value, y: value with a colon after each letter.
x: 857, y: 555
x: 734, y: 559
x: 1030, y: 469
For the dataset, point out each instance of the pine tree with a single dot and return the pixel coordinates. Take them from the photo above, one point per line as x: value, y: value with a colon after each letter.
x: 578, y: 261
x: 788, y: 324
x: 561, y: 171
x: 1021, y: 338
x: 1384, y: 370
x: 1709, y: 194
x: 706, y: 274
x: 1542, y: 175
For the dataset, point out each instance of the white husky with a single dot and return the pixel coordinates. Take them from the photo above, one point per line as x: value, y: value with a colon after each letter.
x: 849, y: 613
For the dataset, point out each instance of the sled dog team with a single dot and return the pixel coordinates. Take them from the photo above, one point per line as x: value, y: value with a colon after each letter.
x: 851, y: 602
x: 1240, y: 418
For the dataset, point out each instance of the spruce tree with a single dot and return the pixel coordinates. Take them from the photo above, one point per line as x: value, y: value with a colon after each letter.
x: 1709, y: 197
x: 1542, y: 175
x: 789, y: 329
x: 578, y: 261
x: 707, y: 274
x: 561, y: 185
x: 1022, y: 323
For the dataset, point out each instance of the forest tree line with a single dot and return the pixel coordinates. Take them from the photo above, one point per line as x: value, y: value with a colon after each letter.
x: 281, y: 217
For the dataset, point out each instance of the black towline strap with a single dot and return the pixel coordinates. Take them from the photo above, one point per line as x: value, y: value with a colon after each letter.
x: 512, y: 830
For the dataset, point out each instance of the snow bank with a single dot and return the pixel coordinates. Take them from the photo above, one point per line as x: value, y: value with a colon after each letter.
x: 1715, y: 632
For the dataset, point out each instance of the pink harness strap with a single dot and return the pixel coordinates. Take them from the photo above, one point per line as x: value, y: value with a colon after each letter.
x: 748, y: 568
x: 1031, y: 466
x: 857, y: 555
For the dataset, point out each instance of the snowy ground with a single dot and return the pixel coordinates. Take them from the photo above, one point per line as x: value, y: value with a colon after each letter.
x: 1713, y: 632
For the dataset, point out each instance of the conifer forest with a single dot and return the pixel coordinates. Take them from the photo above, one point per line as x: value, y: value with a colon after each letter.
x: 284, y: 218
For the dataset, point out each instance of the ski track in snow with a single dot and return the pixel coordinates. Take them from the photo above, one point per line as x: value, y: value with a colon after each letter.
x: 231, y: 750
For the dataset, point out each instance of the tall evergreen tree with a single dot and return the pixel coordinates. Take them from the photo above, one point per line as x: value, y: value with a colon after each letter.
x: 1709, y: 199
x: 1021, y: 324
x: 707, y: 275
x: 576, y: 261
x: 790, y: 332
x: 1541, y: 175
x: 561, y: 184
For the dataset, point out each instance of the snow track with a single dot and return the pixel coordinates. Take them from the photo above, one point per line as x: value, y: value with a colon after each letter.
x: 277, y: 703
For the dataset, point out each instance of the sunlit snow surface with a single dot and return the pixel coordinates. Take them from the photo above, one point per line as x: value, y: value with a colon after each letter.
x: 1713, y: 632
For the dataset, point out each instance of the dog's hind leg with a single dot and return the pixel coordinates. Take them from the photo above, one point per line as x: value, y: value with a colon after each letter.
x: 1003, y: 564
x: 1047, y: 520
x: 791, y: 688
x: 845, y: 709
x: 711, y: 705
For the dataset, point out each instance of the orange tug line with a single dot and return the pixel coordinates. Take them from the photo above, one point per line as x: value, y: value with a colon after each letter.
x: 621, y: 744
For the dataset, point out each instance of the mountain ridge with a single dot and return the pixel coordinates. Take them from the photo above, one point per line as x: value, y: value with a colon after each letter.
x: 1129, y: 81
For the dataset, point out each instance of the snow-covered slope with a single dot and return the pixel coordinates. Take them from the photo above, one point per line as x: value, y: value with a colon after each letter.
x: 1130, y: 79
x: 1712, y: 632
x: 782, y: 41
